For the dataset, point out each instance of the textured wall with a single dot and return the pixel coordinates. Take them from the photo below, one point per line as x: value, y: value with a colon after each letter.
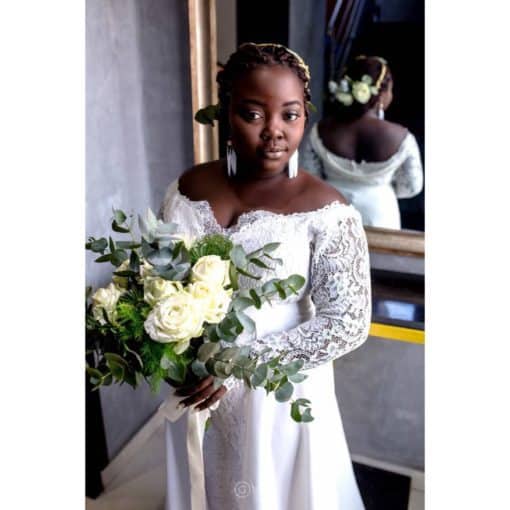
x: 139, y: 138
x: 380, y: 394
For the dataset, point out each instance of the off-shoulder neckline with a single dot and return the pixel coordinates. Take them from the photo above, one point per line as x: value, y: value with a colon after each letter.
x: 243, y: 218
x: 351, y: 162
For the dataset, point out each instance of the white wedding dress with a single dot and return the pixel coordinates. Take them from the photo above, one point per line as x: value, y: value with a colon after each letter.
x: 371, y: 187
x: 256, y: 457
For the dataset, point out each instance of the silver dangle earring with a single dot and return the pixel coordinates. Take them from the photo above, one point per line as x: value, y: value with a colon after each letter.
x: 380, y: 112
x: 231, y: 160
x: 292, y: 167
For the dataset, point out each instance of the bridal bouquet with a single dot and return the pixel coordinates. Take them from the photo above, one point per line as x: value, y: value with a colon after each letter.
x: 173, y: 312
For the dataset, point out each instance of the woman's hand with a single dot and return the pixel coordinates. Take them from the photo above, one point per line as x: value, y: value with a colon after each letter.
x: 201, y: 392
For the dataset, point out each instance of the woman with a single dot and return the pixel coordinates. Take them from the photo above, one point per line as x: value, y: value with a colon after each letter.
x: 371, y: 161
x: 256, y: 457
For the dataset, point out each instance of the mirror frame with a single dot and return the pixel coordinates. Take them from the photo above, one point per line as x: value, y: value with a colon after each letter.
x: 203, y: 58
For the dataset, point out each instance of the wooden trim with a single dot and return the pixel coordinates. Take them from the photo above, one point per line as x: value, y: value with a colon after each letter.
x: 203, y: 59
x: 396, y: 242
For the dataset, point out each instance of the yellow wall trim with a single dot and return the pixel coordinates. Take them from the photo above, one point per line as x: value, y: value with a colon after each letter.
x: 414, y: 336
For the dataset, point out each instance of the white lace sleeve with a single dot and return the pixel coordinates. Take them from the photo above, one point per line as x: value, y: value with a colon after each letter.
x: 340, y: 290
x: 408, y: 179
x: 310, y: 160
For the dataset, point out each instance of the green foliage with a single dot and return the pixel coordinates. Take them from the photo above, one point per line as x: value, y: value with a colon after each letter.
x: 214, y: 244
x: 122, y: 352
x: 208, y: 114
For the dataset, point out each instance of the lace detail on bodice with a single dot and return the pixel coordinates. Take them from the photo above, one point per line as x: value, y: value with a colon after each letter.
x: 327, y: 246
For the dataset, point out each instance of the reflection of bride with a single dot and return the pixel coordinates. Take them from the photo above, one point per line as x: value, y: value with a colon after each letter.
x: 370, y: 161
x: 255, y: 456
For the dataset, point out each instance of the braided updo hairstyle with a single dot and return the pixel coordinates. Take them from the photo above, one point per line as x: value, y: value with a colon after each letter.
x: 250, y: 56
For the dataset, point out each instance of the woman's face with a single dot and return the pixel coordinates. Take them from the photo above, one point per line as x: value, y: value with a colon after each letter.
x: 267, y: 118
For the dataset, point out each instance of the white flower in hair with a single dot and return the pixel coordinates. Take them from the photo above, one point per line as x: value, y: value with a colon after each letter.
x: 361, y: 92
x: 332, y: 86
x: 344, y: 98
x: 344, y: 85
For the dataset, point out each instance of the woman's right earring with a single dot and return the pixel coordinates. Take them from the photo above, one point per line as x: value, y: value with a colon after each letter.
x: 380, y: 111
x: 231, y: 160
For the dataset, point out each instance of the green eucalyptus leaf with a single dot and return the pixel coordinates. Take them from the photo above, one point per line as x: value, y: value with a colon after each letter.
x: 111, y: 244
x: 119, y: 216
x: 127, y: 245
x: 241, y: 303
x: 269, y: 286
x: 268, y: 248
x: 232, y: 272
x: 199, y: 369
x: 177, y: 372
x: 118, y: 257
x: 104, y: 258
x: 117, y: 228
x: 295, y: 413
x: 98, y: 245
x: 307, y: 416
x: 295, y: 281
x: 297, y: 378
x: 238, y: 256
x: 222, y: 369
x: 111, y: 356
x: 284, y: 392
x: 293, y: 367
x: 95, y: 373
x: 259, y: 263
x: 280, y: 290
x: 207, y: 350
x: 249, y: 275
x: 256, y: 298
x: 161, y: 257
x: 247, y: 323
x: 134, y: 262
x: 228, y: 354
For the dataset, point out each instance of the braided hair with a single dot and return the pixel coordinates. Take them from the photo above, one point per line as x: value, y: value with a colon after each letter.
x: 251, y: 56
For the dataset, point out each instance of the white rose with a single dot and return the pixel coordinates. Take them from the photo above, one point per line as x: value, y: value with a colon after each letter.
x: 146, y: 271
x: 121, y: 281
x: 106, y: 299
x: 211, y: 269
x: 176, y: 319
x: 155, y: 289
x: 361, y: 92
x: 215, y: 300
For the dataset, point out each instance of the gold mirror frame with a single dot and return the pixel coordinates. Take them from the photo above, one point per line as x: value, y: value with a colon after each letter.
x: 203, y: 58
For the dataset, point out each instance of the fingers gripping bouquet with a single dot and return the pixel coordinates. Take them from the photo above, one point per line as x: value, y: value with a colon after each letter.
x: 173, y: 312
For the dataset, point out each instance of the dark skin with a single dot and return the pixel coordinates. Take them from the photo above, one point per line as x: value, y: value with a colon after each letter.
x: 366, y: 138
x: 267, y: 120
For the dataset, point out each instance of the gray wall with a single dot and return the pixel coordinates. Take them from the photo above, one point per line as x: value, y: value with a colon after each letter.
x: 139, y: 138
x: 380, y: 395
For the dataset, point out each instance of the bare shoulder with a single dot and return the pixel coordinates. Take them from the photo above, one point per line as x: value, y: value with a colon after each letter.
x: 317, y: 193
x: 391, y: 133
x: 197, y: 182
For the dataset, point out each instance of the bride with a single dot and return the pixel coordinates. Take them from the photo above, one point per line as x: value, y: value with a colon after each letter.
x: 255, y: 456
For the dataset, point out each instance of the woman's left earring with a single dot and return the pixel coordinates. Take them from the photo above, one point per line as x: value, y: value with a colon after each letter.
x: 380, y: 112
x: 231, y: 160
x: 293, y: 164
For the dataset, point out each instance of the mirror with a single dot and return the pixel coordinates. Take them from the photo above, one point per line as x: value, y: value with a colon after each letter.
x: 348, y: 29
